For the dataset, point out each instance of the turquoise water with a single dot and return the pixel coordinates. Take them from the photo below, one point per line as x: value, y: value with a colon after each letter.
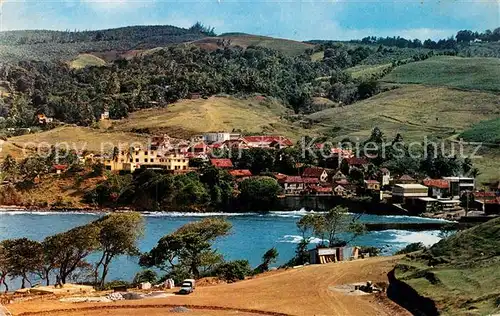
x: 251, y: 236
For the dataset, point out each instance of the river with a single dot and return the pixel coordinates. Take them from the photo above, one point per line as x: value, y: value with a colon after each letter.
x: 251, y: 235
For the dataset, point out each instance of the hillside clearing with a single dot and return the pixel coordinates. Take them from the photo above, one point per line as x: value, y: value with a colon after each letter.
x: 186, y: 118
x: 414, y: 111
x: 366, y: 71
x: 289, y: 47
x: 86, y: 60
x: 458, y: 72
x: 77, y: 138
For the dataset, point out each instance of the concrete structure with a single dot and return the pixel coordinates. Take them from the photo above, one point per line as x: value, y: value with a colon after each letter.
x: 220, y: 137
x: 372, y: 185
x: 460, y: 184
x: 292, y: 185
x: 136, y: 158
x: 439, y: 188
x: 403, y: 192
x: 385, y: 176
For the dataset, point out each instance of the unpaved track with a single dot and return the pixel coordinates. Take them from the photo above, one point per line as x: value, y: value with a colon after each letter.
x: 297, y: 292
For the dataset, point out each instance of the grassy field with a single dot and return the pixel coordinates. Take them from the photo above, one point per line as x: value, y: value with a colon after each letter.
x: 79, y: 138
x: 485, y: 131
x: 457, y: 72
x: 467, y: 281
x: 86, y: 60
x: 366, y: 71
x: 289, y: 47
x: 413, y: 110
x: 189, y: 117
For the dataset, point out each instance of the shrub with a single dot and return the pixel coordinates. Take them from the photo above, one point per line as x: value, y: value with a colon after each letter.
x: 417, y: 246
x: 232, y: 271
x: 372, y: 251
x: 116, y: 283
x: 145, y: 276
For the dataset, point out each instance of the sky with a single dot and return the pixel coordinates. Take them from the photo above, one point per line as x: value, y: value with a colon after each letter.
x: 293, y: 19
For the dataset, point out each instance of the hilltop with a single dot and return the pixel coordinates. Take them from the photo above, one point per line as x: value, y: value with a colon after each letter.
x: 460, y: 273
x: 185, y: 118
x: 288, y: 47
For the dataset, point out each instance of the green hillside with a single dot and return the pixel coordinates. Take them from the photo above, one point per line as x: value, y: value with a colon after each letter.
x: 460, y: 273
x: 414, y: 111
x: 457, y: 72
x: 485, y: 132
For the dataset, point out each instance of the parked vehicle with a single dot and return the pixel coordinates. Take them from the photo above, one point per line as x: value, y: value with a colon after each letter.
x: 187, y: 286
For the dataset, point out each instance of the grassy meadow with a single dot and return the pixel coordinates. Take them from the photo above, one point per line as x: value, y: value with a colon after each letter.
x: 189, y: 117
x: 414, y: 111
x: 86, y: 60
x: 456, y: 72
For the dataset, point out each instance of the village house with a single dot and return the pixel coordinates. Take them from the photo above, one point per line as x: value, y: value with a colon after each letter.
x: 43, y: 119
x: 339, y: 190
x: 59, y: 169
x: 135, y: 158
x: 222, y: 163
x: 372, y: 185
x: 240, y: 174
x: 319, y: 190
x: 338, y: 176
x: 317, y: 173
x: 220, y: 137
x: 459, y: 185
x: 292, y: 185
x: 105, y: 115
x: 438, y: 188
x: 267, y: 141
x: 356, y: 162
x: 405, y: 179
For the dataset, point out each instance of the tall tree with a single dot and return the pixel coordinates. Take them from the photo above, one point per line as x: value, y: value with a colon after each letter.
x: 118, y: 235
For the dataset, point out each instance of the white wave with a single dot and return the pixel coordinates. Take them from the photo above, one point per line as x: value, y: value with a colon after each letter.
x: 428, y: 238
x: 295, y: 239
x: 193, y: 214
x: 418, y: 218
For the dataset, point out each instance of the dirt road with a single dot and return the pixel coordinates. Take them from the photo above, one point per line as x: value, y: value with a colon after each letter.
x: 304, y: 291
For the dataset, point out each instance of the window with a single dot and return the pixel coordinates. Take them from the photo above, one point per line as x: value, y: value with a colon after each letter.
x: 146, y: 152
x: 131, y: 160
x: 145, y: 159
x: 152, y: 160
x: 136, y: 159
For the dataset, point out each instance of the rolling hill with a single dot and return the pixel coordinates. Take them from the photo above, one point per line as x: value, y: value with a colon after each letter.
x: 460, y: 273
x: 285, y: 46
x: 412, y: 110
x: 221, y: 113
x: 456, y: 72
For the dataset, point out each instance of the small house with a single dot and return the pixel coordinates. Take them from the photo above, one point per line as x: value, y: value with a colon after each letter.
x: 317, y: 173
x: 340, y: 190
x: 241, y: 174
x: 292, y: 185
x: 438, y: 188
x: 334, y: 254
x: 406, y: 179
x: 58, y: 169
x: 372, y: 185
x: 385, y: 176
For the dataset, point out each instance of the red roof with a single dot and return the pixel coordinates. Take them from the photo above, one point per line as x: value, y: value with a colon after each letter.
x: 384, y: 170
x: 355, y: 161
x: 60, y: 167
x: 222, y: 163
x: 437, y: 183
x: 372, y: 182
x: 280, y: 176
x: 268, y: 140
x: 310, y: 180
x: 484, y: 194
x: 200, y: 145
x: 293, y: 179
x: 240, y: 173
x: 313, y: 172
x: 343, y: 182
x: 216, y: 145
x: 321, y: 189
x: 406, y: 178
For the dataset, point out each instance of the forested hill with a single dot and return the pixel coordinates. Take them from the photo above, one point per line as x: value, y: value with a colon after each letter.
x: 44, y: 45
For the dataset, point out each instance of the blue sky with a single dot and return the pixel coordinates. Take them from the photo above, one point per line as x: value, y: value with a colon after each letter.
x: 300, y: 20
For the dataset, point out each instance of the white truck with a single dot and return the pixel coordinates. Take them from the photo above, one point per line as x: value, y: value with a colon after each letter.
x: 187, y: 286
